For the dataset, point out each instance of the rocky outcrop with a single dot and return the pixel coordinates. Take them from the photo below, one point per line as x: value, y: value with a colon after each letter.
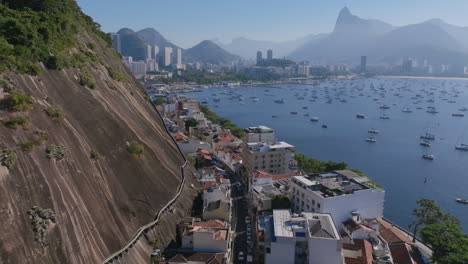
x: 98, y: 200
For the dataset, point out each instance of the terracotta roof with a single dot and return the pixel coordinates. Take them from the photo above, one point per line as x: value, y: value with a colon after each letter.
x: 392, y: 234
x: 404, y: 253
x: 203, y: 257
x: 209, y: 184
x: 214, y: 223
x: 227, y: 137
x: 365, y: 248
x: 221, y: 235
x: 285, y: 176
x: 260, y: 174
x: 178, y: 259
x: 178, y: 135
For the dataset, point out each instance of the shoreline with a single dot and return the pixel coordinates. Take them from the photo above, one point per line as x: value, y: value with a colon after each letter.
x: 420, y: 77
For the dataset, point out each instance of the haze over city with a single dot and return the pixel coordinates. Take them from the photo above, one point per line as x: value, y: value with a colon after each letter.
x: 186, y: 23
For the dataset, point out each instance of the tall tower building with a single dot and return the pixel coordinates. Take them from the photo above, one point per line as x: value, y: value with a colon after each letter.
x: 363, y: 63
x: 116, y: 43
x: 259, y: 57
x: 179, y: 56
x: 167, y: 56
x: 269, y: 54
x: 148, y: 52
x: 155, y: 53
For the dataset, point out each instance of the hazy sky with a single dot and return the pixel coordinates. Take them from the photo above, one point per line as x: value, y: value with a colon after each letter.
x: 187, y: 22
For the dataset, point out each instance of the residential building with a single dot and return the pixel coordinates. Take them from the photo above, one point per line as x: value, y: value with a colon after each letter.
x: 274, y: 158
x: 217, y: 210
x: 178, y: 56
x: 407, y: 65
x: 138, y: 67
x: 116, y: 42
x: 166, y: 58
x: 259, y: 57
x: 216, y: 193
x: 148, y: 52
x: 307, y: 238
x: 339, y: 193
x: 155, y: 53
x: 259, y: 134
x: 363, y: 64
x: 269, y: 54
x: 196, y: 258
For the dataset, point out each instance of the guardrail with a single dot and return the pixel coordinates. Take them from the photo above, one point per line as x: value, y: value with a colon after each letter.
x: 144, y: 229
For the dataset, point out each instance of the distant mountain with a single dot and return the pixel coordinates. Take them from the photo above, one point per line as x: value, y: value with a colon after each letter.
x: 208, y: 52
x: 383, y: 43
x: 247, y: 48
x: 154, y: 38
x: 132, y: 44
x: 456, y: 32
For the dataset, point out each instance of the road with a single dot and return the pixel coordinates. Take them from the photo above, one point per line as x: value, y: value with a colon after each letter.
x: 240, y: 211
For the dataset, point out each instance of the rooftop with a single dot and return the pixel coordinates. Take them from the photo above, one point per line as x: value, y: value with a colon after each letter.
x: 259, y: 129
x: 313, y: 224
x: 265, y: 147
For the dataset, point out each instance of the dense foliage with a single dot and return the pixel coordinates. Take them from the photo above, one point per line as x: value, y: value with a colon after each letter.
x: 280, y: 202
x: 225, y: 123
x: 317, y: 166
x: 40, y: 31
x: 442, y: 231
x: 136, y: 148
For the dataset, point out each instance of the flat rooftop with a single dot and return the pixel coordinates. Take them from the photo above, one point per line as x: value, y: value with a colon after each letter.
x: 265, y: 147
x: 313, y: 224
x: 259, y: 129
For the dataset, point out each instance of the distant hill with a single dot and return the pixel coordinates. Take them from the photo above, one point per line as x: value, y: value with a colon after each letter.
x: 132, y: 44
x: 154, y: 38
x: 247, y: 48
x: 208, y: 52
x: 383, y: 43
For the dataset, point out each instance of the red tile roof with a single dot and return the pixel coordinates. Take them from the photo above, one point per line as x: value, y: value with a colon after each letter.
x: 214, y: 223
x: 392, y: 234
x: 285, y: 176
x: 365, y: 247
x: 404, y: 253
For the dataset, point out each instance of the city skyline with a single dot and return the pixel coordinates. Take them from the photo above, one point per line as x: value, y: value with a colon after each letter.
x: 197, y: 21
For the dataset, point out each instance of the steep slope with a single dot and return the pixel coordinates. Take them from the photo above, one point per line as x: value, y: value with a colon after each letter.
x: 208, y: 52
x: 349, y: 24
x: 90, y: 105
x: 456, y: 32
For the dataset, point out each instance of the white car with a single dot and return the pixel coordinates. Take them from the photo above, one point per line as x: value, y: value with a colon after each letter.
x: 241, y: 255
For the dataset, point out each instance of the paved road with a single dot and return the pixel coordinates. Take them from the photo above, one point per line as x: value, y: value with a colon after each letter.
x: 240, y: 211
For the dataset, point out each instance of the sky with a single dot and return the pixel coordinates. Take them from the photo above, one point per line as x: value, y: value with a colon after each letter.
x: 187, y: 22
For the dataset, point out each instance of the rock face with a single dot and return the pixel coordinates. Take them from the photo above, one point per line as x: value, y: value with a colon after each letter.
x: 98, y: 202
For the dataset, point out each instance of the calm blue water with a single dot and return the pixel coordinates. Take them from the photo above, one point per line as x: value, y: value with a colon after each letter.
x: 395, y: 160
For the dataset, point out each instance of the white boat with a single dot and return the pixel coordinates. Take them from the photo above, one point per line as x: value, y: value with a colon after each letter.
x: 460, y: 200
x: 293, y: 113
x: 255, y: 100
x: 425, y: 143
x: 463, y: 109
x: 314, y: 119
x: 385, y: 107
x: 458, y: 114
x: 280, y: 101
x: 428, y: 136
x: 360, y: 116
x: 373, y: 131
x: 384, y: 117
x: 428, y: 156
x: 407, y: 110
x: 306, y: 114
x: 462, y: 147
x: 371, y: 140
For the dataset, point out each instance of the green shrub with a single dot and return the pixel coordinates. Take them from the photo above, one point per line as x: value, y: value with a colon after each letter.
x: 94, y: 155
x: 40, y: 221
x: 158, y: 101
x: 28, y: 145
x: 8, y: 157
x: 17, y: 101
x: 54, y: 112
x: 56, y: 151
x: 87, y: 79
x: 136, y: 148
x: 115, y: 75
x: 147, y: 98
x: 16, y: 121
x: 7, y: 87
x: 41, y: 136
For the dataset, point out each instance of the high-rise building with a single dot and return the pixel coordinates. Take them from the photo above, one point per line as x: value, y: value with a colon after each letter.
x: 116, y: 42
x: 259, y: 56
x: 148, y: 52
x: 407, y: 65
x: 179, y: 56
x: 269, y: 54
x: 138, y: 67
x: 155, y: 53
x: 167, y: 56
x: 363, y: 64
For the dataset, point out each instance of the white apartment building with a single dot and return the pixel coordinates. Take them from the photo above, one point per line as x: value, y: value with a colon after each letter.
x: 167, y: 56
x: 216, y: 193
x: 259, y: 134
x: 138, y: 67
x: 273, y: 158
x: 340, y: 194
x: 307, y: 238
x: 179, y: 56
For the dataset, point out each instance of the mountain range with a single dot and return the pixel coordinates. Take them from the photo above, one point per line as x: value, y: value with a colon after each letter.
x: 133, y: 44
x: 434, y: 40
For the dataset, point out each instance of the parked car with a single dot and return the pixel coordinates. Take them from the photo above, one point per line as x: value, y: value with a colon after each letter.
x: 241, y: 255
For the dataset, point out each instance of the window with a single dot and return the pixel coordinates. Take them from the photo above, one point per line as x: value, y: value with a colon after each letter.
x: 313, y: 201
x: 256, y: 167
x: 318, y: 205
x: 268, y: 250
